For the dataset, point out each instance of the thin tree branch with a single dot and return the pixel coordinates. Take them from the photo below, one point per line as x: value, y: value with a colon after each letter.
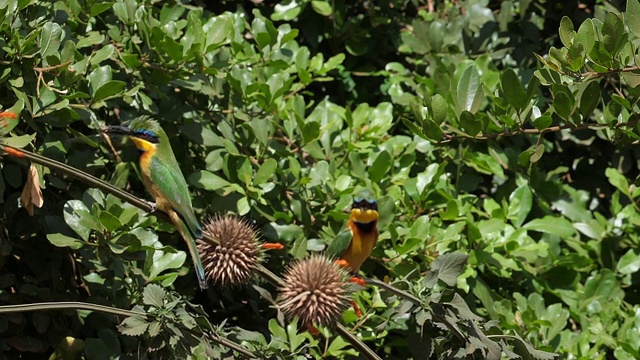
x: 531, y: 131
x: 76, y: 305
x: 596, y: 74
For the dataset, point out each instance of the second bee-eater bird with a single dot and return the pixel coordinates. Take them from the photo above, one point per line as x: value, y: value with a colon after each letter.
x: 353, y: 245
x: 163, y: 179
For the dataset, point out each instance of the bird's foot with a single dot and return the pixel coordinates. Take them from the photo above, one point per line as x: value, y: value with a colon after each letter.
x: 356, y: 308
x: 342, y: 262
x: 272, y: 246
x: 153, y: 206
x: 312, y: 329
x: 358, y: 280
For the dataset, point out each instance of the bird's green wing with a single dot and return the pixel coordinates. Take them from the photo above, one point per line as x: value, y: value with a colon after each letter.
x: 341, y: 243
x: 169, y: 179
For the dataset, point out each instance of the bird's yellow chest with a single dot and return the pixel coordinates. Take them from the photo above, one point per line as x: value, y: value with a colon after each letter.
x: 146, y: 157
x: 362, y: 244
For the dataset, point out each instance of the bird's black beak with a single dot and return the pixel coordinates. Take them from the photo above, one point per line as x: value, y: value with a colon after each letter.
x: 118, y: 130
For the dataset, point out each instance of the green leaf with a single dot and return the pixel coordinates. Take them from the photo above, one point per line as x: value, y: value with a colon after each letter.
x: 50, y: 39
x: 99, y: 8
x: 563, y: 105
x: 449, y: 267
x: 109, y: 221
x: 133, y: 326
x: 102, y: 54
x: 322, y: 7
x: 266, y: 171
x: 613, y: 34
x: 618, y: 180
x: 380, y: 167
x: 319, y: 174
x: 633, y: 17
x: 469, y: 94
x: 108, y: 89
x: 99, y: 77
x: 154, y: 295
x: 629, y: 263
x: 520, y: 202
x: 589, y: 99
x: 220, y: 30
x: 537, y: 153
x: 161, y: 261
x: 208, y: 180
x: 603, y: 286
x: 60, y: 240
x: 18, y: 141
x: 440, y: 108
x: 310, y: 131
x: 74, y: 213
x: 576, y: 56
x: 587, y: 35
x: 567, y: 31
x: 469, y: 123
x: 10, y: 118
x: 431, y: 130
x: 542, y: 122
x: 513, y: 90
x: 243, y: 206
x: 552, y: 225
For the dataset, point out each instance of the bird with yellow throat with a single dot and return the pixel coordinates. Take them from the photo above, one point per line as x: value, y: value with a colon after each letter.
x: 354, y: 244
x: 163, y: 179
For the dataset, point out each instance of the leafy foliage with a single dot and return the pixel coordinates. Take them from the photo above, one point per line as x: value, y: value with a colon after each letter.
x: 503, y: 158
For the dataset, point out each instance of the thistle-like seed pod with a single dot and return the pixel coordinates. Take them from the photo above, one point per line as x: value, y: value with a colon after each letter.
x: 315, y: 290
x: 233, y: 258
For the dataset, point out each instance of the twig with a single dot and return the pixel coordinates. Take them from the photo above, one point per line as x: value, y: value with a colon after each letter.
x: 76, y: 305
x: 596, y: 74
x: 364, y: 349
x: 392, y: 289
x: 521, y: 131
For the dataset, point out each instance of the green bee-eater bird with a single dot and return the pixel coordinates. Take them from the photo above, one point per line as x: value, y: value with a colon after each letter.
x: 353, y: 245
x: 163, y: 179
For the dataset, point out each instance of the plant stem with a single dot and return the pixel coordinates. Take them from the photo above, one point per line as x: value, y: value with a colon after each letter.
x: 392, y: 289
x: 76, y: 305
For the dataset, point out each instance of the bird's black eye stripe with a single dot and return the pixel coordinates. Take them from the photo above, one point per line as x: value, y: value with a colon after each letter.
x: 150, y: 136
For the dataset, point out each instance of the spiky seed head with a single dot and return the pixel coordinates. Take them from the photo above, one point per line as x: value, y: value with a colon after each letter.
x: 315, y: 290
x: 237, y: 252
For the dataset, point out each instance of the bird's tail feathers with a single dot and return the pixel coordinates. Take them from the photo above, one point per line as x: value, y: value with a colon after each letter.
x: 193, y: 250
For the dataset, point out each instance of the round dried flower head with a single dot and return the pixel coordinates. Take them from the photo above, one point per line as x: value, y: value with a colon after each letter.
x: 315, y: 290
x: 233, y: 258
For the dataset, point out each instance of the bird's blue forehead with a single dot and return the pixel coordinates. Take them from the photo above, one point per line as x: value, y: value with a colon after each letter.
x: 368, y: 200
x: 146, y: 135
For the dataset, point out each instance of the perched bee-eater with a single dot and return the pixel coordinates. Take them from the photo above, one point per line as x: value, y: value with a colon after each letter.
x: 163, y: 179
x: 353, y: 245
